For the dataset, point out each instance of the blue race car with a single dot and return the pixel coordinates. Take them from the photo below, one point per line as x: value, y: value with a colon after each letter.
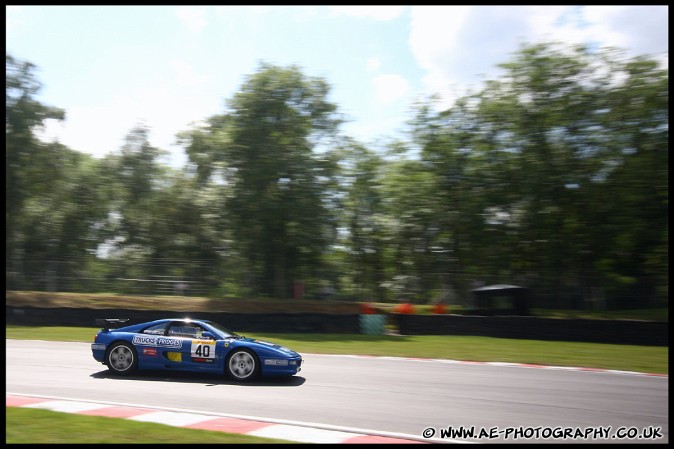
x: 183, y: 344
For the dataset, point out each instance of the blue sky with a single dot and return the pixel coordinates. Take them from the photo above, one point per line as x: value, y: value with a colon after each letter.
x: 168, y: 67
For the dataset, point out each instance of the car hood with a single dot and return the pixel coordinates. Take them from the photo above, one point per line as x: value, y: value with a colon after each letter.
x: 273, y: 346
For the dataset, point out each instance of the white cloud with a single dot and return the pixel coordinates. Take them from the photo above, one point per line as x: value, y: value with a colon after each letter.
x: 460, y: 46
x: 94, y: 130
x: 373, y: 64
x: 102, y: 130
x: 185, y: 75
x: 434, y: 38
x: 377, y: 131
x: 456, y: 48
x: 390, y: 88
x: 381, y: 13
x: 640, y: 30
x: 193, y: 17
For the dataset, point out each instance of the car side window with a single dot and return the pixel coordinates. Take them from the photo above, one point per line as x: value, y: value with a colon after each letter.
x: 190, y: 330
x: 157, y: 329
x: 176, y: 330
x: 199, y: 331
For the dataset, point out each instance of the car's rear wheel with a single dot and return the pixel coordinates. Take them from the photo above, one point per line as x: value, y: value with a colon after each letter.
x: 242, y: 365
x: 122, y: 358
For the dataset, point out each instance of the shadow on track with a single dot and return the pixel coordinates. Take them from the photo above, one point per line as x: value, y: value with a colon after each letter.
x: 208, y: 380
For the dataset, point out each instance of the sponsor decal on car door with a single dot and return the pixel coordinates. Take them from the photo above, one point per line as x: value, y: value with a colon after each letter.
x: 174, y: 357
x: 202, y: 351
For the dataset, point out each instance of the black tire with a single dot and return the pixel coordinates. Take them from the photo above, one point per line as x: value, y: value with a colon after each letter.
x: 122, y: 358
x: 242, y: 365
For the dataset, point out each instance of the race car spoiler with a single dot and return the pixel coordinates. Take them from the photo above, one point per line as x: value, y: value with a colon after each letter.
x: 108, y: 323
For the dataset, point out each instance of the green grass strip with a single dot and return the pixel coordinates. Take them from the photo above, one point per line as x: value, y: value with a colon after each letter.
x: 646, y: 359
x: 31, y: 426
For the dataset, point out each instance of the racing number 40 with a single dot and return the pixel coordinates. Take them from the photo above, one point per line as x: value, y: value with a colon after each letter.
x: 203, y: 350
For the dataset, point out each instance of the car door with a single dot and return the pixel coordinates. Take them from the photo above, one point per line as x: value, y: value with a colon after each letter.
x: 203, y: 354
x: 150, y: 345
x: 195, y: 353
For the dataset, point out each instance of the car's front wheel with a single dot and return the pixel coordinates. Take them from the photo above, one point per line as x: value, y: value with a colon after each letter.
x: 242, y: 365
x: 122, y: 358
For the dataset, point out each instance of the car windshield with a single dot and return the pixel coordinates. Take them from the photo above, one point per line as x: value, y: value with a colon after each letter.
x: 223, y: 330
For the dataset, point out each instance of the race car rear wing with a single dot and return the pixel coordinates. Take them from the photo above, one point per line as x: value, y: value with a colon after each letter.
x: 109, y: 323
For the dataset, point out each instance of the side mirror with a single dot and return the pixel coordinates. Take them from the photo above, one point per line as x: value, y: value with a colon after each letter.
x: 208, y: 335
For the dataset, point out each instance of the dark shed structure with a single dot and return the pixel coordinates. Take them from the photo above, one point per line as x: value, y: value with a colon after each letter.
x: 502, y: 299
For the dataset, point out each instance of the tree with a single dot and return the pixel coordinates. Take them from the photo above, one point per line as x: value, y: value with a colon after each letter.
x: 61, y: 228
x: 545, y: 169
x: 632, y: 186
x: 138, y: 177
x: 364, y: 219
x: 29, y: 168
x: 280, y: 199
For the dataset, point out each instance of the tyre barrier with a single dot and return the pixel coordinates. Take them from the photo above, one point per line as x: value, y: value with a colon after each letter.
x: 624, y: 332
x: 629, y: 332
x: 318, y: 323
x: 372, y: 324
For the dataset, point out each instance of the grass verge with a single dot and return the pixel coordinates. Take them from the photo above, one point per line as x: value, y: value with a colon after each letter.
x: 30, y: 426
x: 647, y: 359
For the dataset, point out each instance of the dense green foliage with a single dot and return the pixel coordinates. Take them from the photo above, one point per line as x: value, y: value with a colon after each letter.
x: 554, y: 176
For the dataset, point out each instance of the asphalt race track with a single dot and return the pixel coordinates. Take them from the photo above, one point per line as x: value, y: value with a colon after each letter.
x: 511, y: 404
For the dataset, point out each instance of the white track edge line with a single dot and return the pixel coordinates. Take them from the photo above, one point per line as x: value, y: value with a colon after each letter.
x: 367, y: 432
